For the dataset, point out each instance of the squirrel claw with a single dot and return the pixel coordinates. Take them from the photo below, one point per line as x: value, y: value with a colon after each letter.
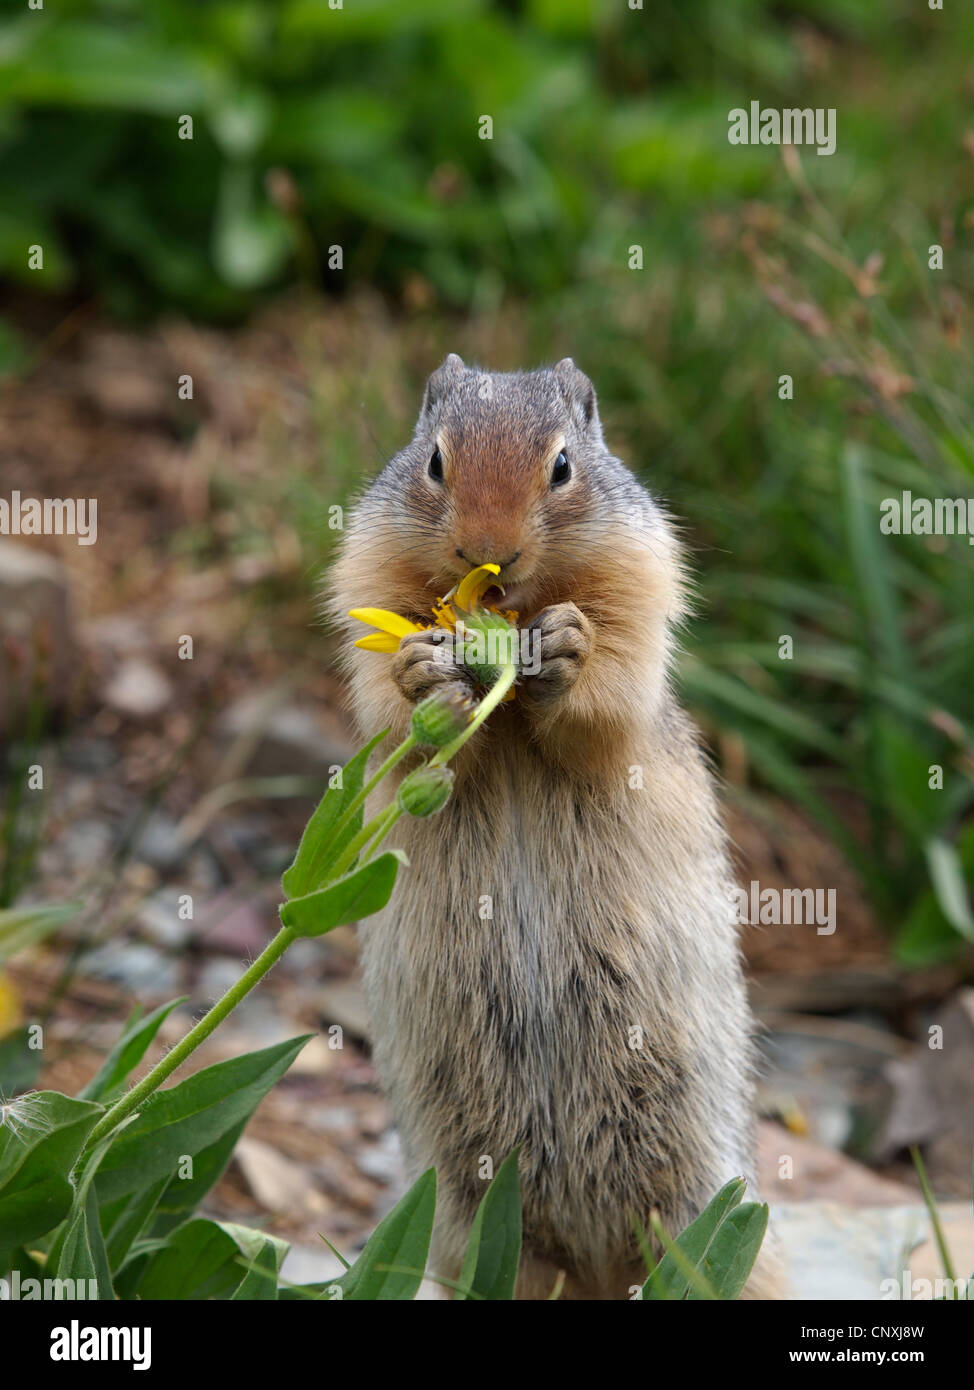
x: 560, y: 644
x: 425, y: 662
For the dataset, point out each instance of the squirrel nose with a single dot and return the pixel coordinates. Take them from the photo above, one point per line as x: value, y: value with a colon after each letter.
x: 503, y: 563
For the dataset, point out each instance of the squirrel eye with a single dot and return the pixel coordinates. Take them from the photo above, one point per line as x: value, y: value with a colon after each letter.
x: 562, y: 471
x: 436, y: 466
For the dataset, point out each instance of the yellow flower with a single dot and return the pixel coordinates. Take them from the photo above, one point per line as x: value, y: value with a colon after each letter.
x: 464, y: 598
x: 393, y: 627
x: 474, y: 585
x: 10, y: 1013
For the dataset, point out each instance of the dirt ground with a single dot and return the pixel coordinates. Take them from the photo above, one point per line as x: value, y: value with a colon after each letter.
x: 203, y: 530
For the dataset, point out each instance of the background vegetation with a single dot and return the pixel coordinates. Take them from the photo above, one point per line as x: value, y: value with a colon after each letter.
x: 358, y: 128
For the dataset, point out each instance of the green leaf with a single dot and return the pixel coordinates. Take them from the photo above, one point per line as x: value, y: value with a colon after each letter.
x: 239, y: 121
x: 903, y: 763
x: 40, y: 1139
x: 206, y: 1259
x: 182, y: 1195
x: 731, y: 697
x: 82, y: 1254
x: 260, y: 1281
x: 947, y: 877
x: 197, y: 1261
x: 667, y: 1281
x: 494, y: 1248
x: 403, y: 1239
x: 684, y: 1265
x: 731, y: 1254
x: 127, y: 1053
x: 926, y: 937
x: 250, y: 238
x: 20, y: 1064
x: 124, y: 1221
x: 874, y: 589
x: 21, y: 927
x: 190, y: 1117
x: 76, y: 64
x: 365, y: 890
x: 315, y: 853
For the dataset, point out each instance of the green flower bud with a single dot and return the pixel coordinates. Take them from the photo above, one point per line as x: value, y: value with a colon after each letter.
x: 425, y: 791
x: 486, y: 643
x: 439, y: 718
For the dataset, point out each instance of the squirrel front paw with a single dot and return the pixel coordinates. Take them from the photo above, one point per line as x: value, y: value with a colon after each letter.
x: 560, y: 643
x: 425, y: 662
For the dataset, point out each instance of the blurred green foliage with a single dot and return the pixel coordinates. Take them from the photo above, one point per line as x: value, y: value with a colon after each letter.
x: 603, y: 117
x: 359, y: 127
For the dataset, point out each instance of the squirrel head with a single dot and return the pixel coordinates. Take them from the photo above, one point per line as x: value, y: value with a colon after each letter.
x: 509, y: 468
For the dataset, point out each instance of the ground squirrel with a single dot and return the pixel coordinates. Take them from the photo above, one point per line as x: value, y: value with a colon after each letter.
x: 598, y: 1015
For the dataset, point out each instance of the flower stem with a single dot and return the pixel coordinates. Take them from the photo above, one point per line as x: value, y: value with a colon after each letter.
x: 357, y: 843
x: 396, y: 756
x: 378, y: 827
x: 132, y: 1099
x: 486, y: 707
x: 387, y: 820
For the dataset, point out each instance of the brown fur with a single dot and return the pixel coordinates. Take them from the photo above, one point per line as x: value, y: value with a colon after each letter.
x: 610, y: 909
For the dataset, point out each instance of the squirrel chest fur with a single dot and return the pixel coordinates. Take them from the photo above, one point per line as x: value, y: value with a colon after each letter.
x: 559, y: 966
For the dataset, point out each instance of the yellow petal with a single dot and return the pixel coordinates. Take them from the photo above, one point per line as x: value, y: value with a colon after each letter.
x: 379, y: 642
x: 393, y: 623
x: 474, y: 585
x: 10, y: 1013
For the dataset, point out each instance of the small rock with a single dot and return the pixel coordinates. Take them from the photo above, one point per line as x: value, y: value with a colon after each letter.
x: 258, y: 1022
x: 307, y: 1264
x: 383, y: 1161
x: 835, y: 1253
x: 37, y: 632
x: 818, y: 1172
x: 121, y: 633
x: 304, y: 955
x: 202, y: 872
x: 85, y: 842
x: 160, y: 843
x: 215, y: 979
x: 278, y: 1183
x: 933, y: 1093
x: 340, y: 1177
x: 315, y: 1058
x: 832, y: 1071
x: 89, y: 755
x: 342, y: 1002
x: 158, y: 918
x: 140, y: 968
x: 138, y: 689
x: 231, y: 923
x: 340, y: 1119
x: 287, y: 738
x: 249, y: 835
x: 957, y: 1223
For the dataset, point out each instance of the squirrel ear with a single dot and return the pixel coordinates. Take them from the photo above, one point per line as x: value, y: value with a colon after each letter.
x: 577, y: 389
x: 440, y: 381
